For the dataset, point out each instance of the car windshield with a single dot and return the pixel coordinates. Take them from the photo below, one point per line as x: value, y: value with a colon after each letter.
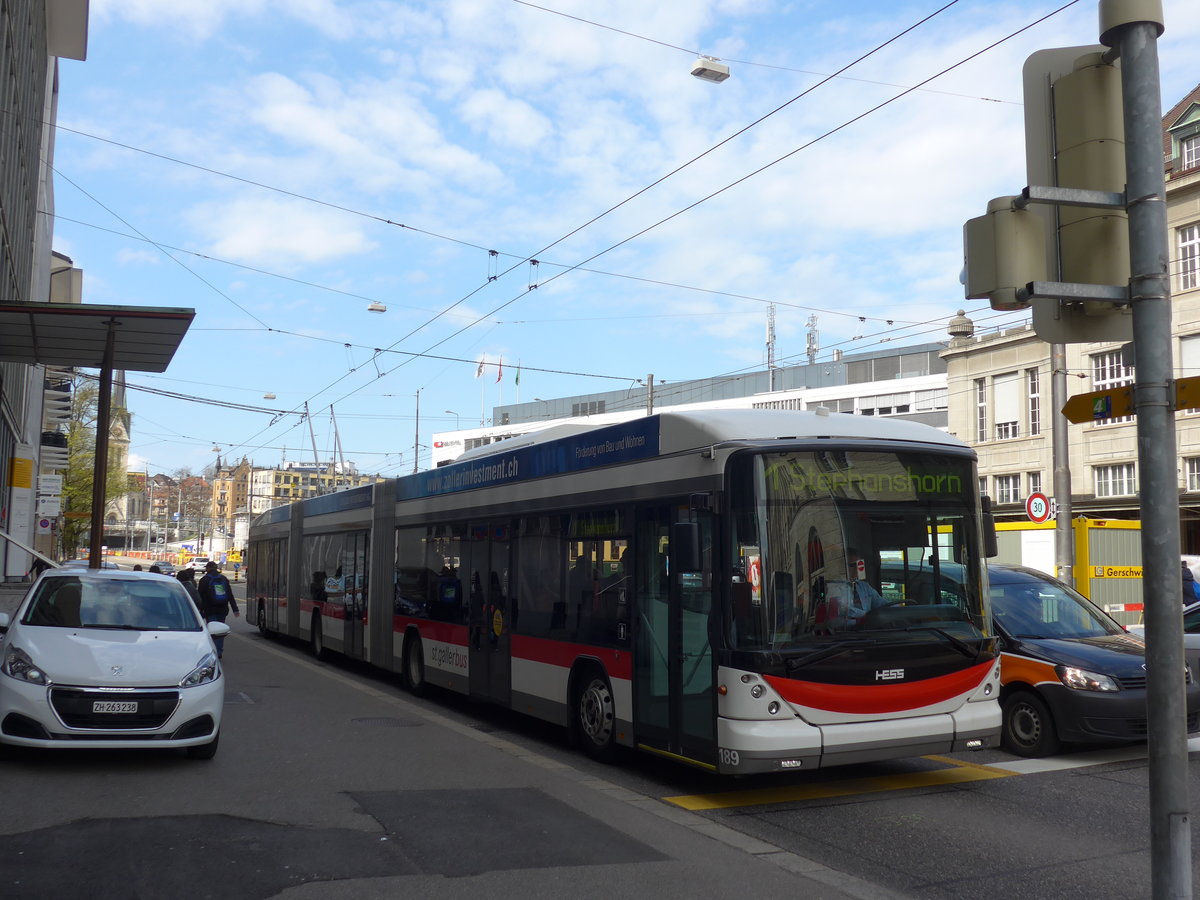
x: 1043, y: 609
x: 133, y: 604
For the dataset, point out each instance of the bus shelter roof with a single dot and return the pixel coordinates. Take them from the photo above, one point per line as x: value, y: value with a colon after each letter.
x: 145, y: 338
x: 93, y: 336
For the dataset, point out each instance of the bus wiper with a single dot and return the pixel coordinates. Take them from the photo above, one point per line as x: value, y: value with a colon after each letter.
x: 957, y: 643
x: 825, y: 652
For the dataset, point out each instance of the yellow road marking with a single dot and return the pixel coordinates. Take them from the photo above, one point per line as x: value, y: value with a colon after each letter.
x: 961, y: 773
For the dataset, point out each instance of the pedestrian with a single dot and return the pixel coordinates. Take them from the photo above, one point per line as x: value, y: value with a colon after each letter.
x: 155, y: 569
x: 1191, y: 592
x: 187, y: 577
x: 216, y: 600
x: 137, y: 567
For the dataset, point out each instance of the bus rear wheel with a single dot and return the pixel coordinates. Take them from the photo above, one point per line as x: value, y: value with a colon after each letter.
x: 414, y: 666
x: 594, y: 719
x: 316, y: 640
x: 262, y: 619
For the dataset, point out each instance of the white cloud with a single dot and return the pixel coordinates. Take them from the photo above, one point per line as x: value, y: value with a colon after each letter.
x: 505, y: 119
x: 275, y: 233
x: 200, y: 18
x: 138, y: 257
x: 373, y: 133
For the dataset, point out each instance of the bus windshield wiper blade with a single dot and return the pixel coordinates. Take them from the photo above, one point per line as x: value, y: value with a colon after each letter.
x: 957, y: 643
x: 827, y: 651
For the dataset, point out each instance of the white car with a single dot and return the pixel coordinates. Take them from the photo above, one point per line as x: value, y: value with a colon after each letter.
x: 111, y: 659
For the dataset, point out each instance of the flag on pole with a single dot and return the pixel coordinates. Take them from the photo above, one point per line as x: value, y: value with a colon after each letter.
x: 500, y: 370
x: 518, y: 379
x: 479, y: 371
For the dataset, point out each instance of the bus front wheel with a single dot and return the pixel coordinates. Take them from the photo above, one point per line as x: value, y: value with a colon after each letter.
x: 594, y: 719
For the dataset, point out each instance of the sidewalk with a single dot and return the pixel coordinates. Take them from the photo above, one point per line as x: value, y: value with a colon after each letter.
x: 691, y: 854
x: 11, y: 595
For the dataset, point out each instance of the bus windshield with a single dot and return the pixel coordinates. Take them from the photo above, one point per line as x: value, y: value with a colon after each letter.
x: 836, y: 545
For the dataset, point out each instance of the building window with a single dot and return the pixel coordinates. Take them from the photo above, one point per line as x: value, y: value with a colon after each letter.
x: 1193, y: 474
x: 587, y: 408
x: 1035, y: 401
x: 1008, y: 488
x: 1115, y: 481
x: 1189, y: 151
x: 1035, y: 482
x: 1189, y: 257
x: 1110, y: 371
x: 1189, y: 359
x: 1006, y: 390
x: 937, y: 398
x: 983, y: 486
x: 980, y: 410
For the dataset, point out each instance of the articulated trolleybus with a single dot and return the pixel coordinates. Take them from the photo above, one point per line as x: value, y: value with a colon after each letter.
x: 743, y: 590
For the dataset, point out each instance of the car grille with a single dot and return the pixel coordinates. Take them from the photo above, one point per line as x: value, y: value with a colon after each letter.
x: 74, y: 706
x: 1132, y: 683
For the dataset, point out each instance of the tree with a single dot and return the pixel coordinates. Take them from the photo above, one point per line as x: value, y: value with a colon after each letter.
x: 81, y: 463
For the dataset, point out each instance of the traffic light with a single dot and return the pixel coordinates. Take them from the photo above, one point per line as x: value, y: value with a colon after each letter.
x: 1067, y: 234
x: 1004, y: 251
x: 1089, y: 134
x: 1075, y: 139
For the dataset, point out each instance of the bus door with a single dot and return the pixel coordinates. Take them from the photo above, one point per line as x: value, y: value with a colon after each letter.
x: 272, y: 583
x: 674, y: 703
x: 488, y: 572
x: 353, y: 576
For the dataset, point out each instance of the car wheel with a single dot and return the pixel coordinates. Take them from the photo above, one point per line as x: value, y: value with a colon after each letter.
x: 1028, y: 726
x: 316, y: 640
x: 594, y: 721
x: 205, y: 751
x: 414, y: 666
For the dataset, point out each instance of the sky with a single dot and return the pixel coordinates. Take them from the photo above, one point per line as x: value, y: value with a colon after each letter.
x: 537, y: 187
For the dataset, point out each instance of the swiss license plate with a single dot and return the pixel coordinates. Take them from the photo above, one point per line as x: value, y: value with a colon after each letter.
x: 114, y: 706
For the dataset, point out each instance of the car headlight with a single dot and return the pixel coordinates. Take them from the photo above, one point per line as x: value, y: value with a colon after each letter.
x: 18, y: 664
x: 207, y: 670
x: 1083, y: 680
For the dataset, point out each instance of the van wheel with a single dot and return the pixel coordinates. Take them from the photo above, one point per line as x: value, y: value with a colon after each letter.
x: 414, y: 666
x: 316, y: 640
x: 1028, y: 726
x: 594, y: 722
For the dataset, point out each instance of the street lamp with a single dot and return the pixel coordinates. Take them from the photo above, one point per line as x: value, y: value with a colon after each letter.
x: 452, y: 413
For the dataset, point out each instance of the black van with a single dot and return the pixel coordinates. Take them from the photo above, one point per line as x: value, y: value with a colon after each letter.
x: 1069, y: 672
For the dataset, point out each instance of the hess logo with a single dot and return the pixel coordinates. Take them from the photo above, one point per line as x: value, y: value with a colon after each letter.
x: 889, y: 674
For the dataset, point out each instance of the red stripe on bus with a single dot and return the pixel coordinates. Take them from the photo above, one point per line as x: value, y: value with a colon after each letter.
x: 618, y: 663
x: 880, y: 698
x: 446, y: 632
x: 328, y: 610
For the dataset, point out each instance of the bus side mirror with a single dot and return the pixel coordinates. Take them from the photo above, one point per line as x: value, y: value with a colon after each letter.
x: 991, y: 547
x: 685, y: 547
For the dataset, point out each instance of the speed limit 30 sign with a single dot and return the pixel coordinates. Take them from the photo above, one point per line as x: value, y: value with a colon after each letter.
x: 1037, y: 507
